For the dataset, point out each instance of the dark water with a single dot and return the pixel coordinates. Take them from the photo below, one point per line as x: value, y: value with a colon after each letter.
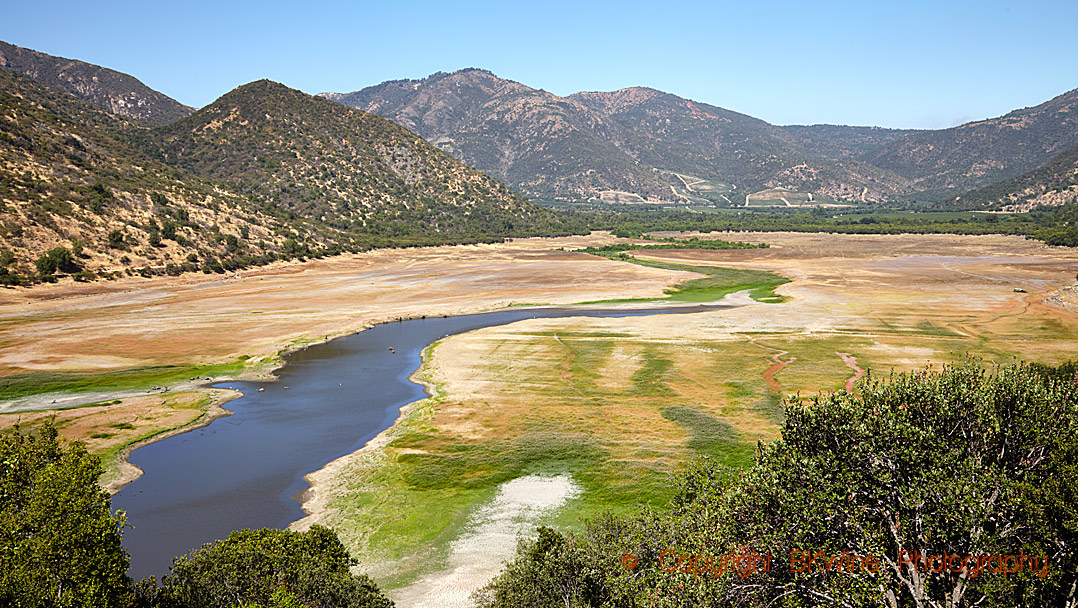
x: 244, y: 470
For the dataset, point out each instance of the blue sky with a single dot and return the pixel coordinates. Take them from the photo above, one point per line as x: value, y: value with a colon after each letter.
x: 909, y: 64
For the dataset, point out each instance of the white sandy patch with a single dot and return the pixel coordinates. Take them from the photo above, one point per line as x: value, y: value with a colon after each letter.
x: 489, y: 541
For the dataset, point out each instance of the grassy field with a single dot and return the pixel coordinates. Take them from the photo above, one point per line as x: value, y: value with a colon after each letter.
x: 718, y: 282
x: 617, y: 413
x: 23, y: 385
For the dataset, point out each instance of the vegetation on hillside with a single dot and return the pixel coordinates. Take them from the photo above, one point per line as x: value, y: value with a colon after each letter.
x: 79, y: 197
x: 76, y: 200
x: 539, y: 143
x: 1052, y: 184
x: 573, y: 148
x: 952, y: 161
x: 354, y: 171
x: 864, y: 501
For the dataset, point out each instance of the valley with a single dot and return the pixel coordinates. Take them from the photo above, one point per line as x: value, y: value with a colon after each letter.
x: 636, y: 396
x: 614, y: 405
x: 460, y: 341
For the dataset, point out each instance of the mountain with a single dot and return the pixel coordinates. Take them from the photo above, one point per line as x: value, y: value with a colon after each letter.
x: 655, y: 144
x: 265, y: 173
x: 684, y: 136
x: 67, y: 180
x: 843, y: 142
x: 636, y: 140
x: 107, y: 89
x: 1052, y: 184
x: 346, y: 168
x: 983, y: 152
x: 539, y: 143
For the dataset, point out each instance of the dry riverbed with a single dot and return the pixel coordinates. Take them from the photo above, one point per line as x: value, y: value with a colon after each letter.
x: 611, y: 407
x: 649, y: 393
x: 137, y: 337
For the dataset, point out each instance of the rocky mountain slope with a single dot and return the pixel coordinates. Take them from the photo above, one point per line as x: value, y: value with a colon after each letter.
x: 107, y: 89
x: 638, y: 139
x: 265, y: 173
x: 634, y: 140
x: 544, y: 145
x: 1052, y: 184
x: 681, y: 135
x: 983, y: 152
x: 67, y: 181
x: 332, y: 164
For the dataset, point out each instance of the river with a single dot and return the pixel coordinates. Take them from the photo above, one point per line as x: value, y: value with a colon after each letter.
x: 246, y: 470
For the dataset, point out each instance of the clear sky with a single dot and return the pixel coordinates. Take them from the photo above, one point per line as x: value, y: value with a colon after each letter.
x: 911, y: 64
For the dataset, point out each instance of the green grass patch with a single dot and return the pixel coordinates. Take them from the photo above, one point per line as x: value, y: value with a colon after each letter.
x: 718, y: 283
x: 110, y: 459
x: 650, y: 379
x: 710, y: 436
x: 671, y: 243
x: 34, y: 383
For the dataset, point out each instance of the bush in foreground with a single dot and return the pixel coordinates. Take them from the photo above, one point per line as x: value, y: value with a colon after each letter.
x: 59, y: 541
x: 270, y: 568
x: 964, y: 462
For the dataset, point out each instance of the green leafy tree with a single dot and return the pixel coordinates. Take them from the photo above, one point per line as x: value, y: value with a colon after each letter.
x: 58, y: 258
x: 271, y: 568
x: 59, y: 541
x: 555, y: 570
x: 168, y: 230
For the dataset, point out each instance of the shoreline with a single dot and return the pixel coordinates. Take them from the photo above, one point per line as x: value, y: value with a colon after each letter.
x: 130, y: 472
x: 267, y: 372
x: 314, y: 499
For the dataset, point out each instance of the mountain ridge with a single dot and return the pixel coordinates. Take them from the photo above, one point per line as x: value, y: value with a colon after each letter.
x: 91, y: 194
x: 635, y: 139
x: 981, y: 152
x: 638, y: 139
x: 109, y: 90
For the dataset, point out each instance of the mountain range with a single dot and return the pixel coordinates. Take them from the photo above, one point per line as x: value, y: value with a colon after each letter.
x: 644, y: 141
x: 264, y: 173
x: 128, y: 180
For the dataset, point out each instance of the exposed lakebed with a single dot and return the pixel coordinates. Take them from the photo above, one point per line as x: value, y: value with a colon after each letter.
x: 330, y: 399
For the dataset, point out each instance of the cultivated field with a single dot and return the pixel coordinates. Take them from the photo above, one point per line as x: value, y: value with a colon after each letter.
x: 700, y: 190
x: 779, y: 197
